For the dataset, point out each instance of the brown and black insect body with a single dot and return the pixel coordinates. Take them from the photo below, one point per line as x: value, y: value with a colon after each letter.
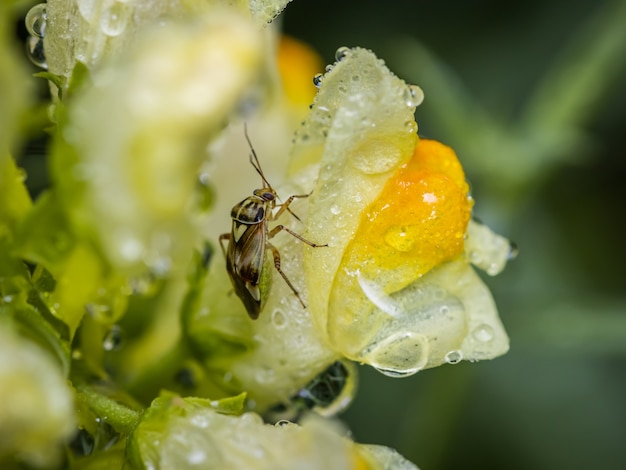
x: 247, y: 262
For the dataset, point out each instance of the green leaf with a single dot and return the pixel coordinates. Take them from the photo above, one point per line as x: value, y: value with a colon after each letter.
x: 58, y: 80
x: 49, y: 247
x: 16, y: 201
x: 17, y: 293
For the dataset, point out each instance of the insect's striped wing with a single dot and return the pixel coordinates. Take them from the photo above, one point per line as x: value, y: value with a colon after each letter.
x: 248, y: 256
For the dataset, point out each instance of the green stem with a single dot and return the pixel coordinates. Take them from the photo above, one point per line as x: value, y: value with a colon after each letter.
x: 122, y: 418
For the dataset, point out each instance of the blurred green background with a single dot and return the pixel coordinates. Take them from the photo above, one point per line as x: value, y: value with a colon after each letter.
x: 531, y: 96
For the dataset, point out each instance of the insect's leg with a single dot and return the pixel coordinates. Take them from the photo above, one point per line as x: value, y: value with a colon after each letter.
x: 276, y: 255
x: 224, y: 236
x: 278, y: 228
x: 285, y: 206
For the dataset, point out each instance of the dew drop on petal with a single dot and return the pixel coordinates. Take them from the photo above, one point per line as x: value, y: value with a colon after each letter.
x: 88, y: 9
x: 279, y: 319
x: 399, y: 355
x: 483, y: 333
x: 36, y: 20
x: 413, y: 96
x: 342, y: 53
x: 251, y: 419
x: 335, y: 209
x: 115, y: 19
x: 317, y: 80
x: 454, y: 357
x: 410, y: 126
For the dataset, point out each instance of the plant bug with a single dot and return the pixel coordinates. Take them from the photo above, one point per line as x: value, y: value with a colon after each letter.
x: 246, y: 255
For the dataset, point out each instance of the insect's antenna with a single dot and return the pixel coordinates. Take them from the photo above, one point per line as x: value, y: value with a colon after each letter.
x: 254, y: 160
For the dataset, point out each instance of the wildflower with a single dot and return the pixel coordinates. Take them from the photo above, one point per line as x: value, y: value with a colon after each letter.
x: 394, y: 289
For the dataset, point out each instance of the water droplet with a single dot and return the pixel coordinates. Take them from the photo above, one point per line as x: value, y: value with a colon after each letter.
x: 89, y: 9
x: 35, y: 52
x: 200, y: 421
x: 204, y: 178
x: 99, y: 311
x: 413, y: 96
x: 454, y: 357
x: 399, y: 238
x: 115, y: 19
x: 249, y: 420
x: 160, y: 266
x: 328, y: 68
x: 130, y: 248
x: 399, y: 355
x: 342, y: 53
x: 410, y: 126
x: 7, y: 299
x: 282, y: 423
x: 317, y: 80
x: 279, y: 319
x: 196, y: 457
x: 483, y: 333
x: 493, y: 269
x: 444, y: 309
x: 36, y: 20
x: 513, y: 251
x: 113, y: 339
x: 335, y: 209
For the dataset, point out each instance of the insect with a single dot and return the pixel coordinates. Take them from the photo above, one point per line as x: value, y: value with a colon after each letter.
x: 247, y: 260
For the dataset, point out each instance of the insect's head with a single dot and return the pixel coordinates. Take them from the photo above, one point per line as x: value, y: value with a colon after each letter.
x: 267, y: 194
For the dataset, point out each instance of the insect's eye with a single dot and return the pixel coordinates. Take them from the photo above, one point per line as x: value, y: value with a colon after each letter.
x: 265, y: 193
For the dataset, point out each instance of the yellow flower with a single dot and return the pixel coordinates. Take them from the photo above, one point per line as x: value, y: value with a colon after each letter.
x: 394, y: 288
